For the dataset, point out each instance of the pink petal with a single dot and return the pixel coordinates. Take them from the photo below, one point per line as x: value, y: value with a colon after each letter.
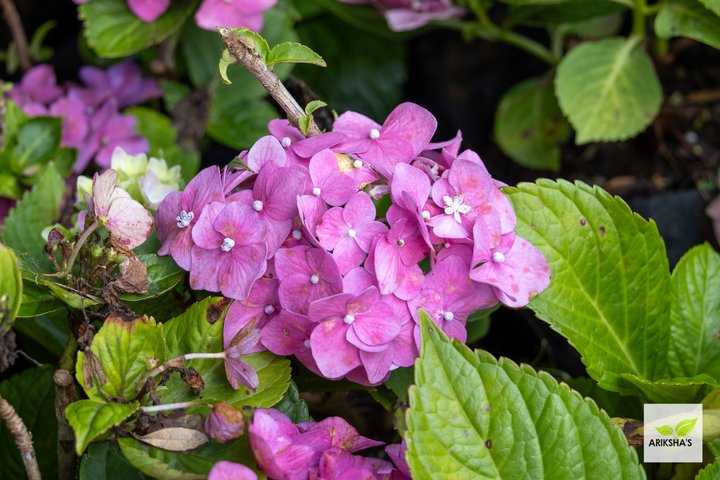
x: 348, y: 255
x: 359, y: 210
x: 203, y: 233
x: 376, y: 328
x: 332, y: 228
x: 205, y: 188
x: 225, y: 470
x: 238, y: 273
x: 290, y: 261
x: 266, y: 151
x: 388, y: 266
x: 355, y: 126
x: 414, y: 183
x: 241, y: 223
x: 278, y: 189
x: 286, y: 334
x: 129, y: 222
x: 410, y: 283
x: 377, y: 364
x: 334, y: 355
x: 205, y: 267
x: 306, y: 148
x: 411, y: 123
x: 148, y: 10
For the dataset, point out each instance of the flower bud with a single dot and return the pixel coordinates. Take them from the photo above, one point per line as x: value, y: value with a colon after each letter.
x: 224, y: 423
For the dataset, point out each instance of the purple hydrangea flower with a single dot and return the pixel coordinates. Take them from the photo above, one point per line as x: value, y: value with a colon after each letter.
x: 259, y: 308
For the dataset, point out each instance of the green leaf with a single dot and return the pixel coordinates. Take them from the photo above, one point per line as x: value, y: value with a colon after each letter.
x: 199, y: 49
x: 50, y: 331
x: 126, y: 351
x: 261, y: 45
x: 529, y: 126
x: 103, y: 461
x: 554, y: 14
x: 11, y: 287
x: 609, y: 293
x: 684, y: 427
x: 713, y: 5
x: 237, y: 122
x: 368, y: 72
x: 163, y: 275
x: 711, y: 472
x: 199, y: 329
x: 608, y: 89
x: 36, y: 210
x: 400, y: 380
x: 688, y: 18
x: 37, y: 139
x: 665, y: 430
x: 113, y: 31
x: 695, y: 314
x: 193, y: 465
x: 293, y: 52
x: 311, y: 107
x: 32, y: 395
x: 670, y: 390
x: 226, y: 59
x: 293, y: 405
x: 472, y: 416
x: 90, y: 419
x: 162, y: 137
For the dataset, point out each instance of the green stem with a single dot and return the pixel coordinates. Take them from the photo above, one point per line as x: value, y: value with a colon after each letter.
x: 67, y: 359
x: 639, y: 12
x: 78, y: 245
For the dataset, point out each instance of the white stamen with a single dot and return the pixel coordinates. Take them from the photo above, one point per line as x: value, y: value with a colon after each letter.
x: 314, y: 279
x: 316, y: 191
x: 447, y: 245
x: 258, y: 205
x: 400, y: 242
x: 425, y: 215
x: 349, y: 319
x: 352, y: 233
x: 498, y: 257
x: 269, y: 309
x: 306, y: 343
x: 184, y: 219
x: 357, y: 164
x: 374, y: 133
x: 227, y: 244
x: 297, y: 234
x: 286, y: 142
x: 448, y: 316
x: 455, y: 207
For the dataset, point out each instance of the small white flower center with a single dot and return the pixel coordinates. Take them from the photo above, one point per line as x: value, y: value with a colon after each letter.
x: 400, y: 242
x: 374, y: 134
x: 349, y: 319
x: 227, y: 244
x: 286, y: 142
x: 297, y: 234
x: 498, y: 257
x: 316, y: 191
x: 352, y: 233
x: 448, y: 316
x: 425, y: 215
x: 269, y: 309
x: 357, y: 164
x: 258, y: 205
x: 314, y: 279
x: 184, y: 219
x: 306, y: 343
x: 455, y: 207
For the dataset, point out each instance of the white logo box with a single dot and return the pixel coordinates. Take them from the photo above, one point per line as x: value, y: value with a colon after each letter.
x: 678, y: 439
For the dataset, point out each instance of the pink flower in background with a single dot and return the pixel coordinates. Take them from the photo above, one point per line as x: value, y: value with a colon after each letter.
x: 36, y: 90
x: 123, y: 82
x: 232, y: 13
x: 225, y: 470
x: 403, y: 15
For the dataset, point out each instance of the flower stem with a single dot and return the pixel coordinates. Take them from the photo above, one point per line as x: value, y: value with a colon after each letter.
x: 12, y: 18
x: 78, y: 245
x: 638, y: 21
x: 23, y: 439
x: 170, y: 406
x: 178, y: 361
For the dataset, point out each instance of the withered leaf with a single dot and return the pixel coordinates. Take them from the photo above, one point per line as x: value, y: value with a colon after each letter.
x: 175, y: 439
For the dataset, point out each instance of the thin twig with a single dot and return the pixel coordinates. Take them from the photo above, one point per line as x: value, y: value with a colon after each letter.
x: 243, y: 50
x: 23, y: 439
x: 65, y: 394
x: 12, y: 18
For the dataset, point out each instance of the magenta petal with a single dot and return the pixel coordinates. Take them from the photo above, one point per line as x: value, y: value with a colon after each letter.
x: 148, y: 10
x: 306, y: 148
x: 205, y: 188
x: 454, y: 329
x: 338, y: 189
x: 278, y: 189
x: 359, y: 210
x: 205, y: 267
x: 358, y: 280
x: 165, y: 220
x: 411, y: 181
x: 410, y: 284
x: 334, y: 355
x: 367, y: 234
x: 311, y: 209
x: 290, y: 261
x: 334, y: 306
x: 181, y: 249
x: 377, y: 364
x: 388, y: 266
x: 286, y: 334
x: 411, y: 123
x: 378, y: 327
x: 203, y: 233
x: 332, y: 228
x: 356, y: 126
x: 239, y: 222
x: 266, y: 151
x: 348, y: 255
x: 296, y: 292
x: 239, y: 272
x: 225, y: 470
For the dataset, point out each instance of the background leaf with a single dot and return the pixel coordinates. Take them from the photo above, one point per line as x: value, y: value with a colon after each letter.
x: 103, y: 461
x: 37, y: 139
x: 529, y: 126
x: 608, y: 89
x: 711, y: 472
x: 11, y: 287
x: 32, y: 395
x: 688, y: 18
x: 90, y: 419
x: 294, y: 406
x: 459, y: 421
x: 113, y: 31
x: 36, y: 210
x: 713, y: 5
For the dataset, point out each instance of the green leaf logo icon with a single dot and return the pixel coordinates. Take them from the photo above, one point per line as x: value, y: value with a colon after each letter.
x: 684, y: 427
x: 665, y: 430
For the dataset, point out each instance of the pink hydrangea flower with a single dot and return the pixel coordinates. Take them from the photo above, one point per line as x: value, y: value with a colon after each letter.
x: 225, y: 470
x: 230, y: 253
x: 403, y: 15
x: 306, y: 274
x: 224, y: 423
x: 232, y: 13
x: 275, y: 442
x: 126, y: 219
x: 260, y: 307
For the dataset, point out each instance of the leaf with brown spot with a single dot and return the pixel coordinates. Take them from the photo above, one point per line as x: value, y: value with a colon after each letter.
x: 175, y: 439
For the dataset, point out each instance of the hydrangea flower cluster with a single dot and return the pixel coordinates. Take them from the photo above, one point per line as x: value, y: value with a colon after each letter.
x: 403, y: 15
x: 311, y: 450
x: 92, y: 122
x: 210, y: 15
x: 297, y: 241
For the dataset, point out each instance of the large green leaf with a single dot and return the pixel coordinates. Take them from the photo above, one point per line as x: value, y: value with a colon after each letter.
x: 695, y: 314
x: 103, y: 461
x: 37, y: 139
x: 688, y: 18
x: 713, y: 5
x: 113, y: 31
x: 472, y: 416
x: 529, y: 126
x: 126, y: 352
x: 11, y: 287
x: 198, y: 329
x: 237, y: 122
x: 32, y: 395
x: 193, y: 465
x: 37, y: 209
x: 90, y: 419
x: 608, y: 89
x: 711, y: 472
x: 610, y: 289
